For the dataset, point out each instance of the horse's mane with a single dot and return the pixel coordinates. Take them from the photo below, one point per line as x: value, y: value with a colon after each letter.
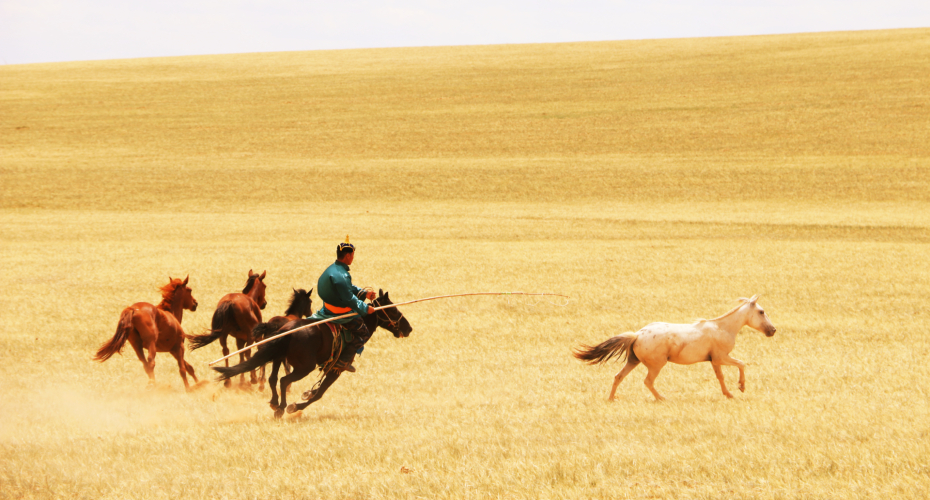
x: 167, y: 294
x: 293, y: 306
x: 741, y: 300
x: 248, y: 284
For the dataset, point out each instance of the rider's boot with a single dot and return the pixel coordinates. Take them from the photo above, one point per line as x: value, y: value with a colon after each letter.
x: 345, y: 365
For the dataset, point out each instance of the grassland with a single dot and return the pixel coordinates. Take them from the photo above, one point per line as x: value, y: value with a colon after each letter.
x: 650, y: 180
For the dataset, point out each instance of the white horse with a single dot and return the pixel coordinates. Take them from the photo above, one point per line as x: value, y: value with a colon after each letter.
x: 704, y: 340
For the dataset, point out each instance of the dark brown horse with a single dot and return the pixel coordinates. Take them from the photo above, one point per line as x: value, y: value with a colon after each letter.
x: 156, y: 329
x: 300, y: 307
x: 236, y: 314
x: 307, y: 349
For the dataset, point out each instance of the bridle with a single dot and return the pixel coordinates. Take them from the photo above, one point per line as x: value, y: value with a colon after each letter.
x: 393, y: 325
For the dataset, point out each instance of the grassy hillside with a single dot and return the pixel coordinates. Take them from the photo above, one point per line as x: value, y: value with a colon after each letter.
x: 650, y: 180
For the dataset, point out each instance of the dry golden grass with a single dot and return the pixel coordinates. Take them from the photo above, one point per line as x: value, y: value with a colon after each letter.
x: 651, y: 181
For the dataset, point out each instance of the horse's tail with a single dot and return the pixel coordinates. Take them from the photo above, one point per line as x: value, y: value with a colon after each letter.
x: 263, y: 330
x: 615, y: 346
x: 266, y: 353
x: 115, y: 345
x: 221, y: 317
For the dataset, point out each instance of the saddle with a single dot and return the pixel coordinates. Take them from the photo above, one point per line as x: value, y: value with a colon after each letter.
x: 341, y: 338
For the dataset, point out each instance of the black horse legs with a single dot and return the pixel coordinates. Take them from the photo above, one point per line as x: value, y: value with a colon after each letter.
x: 272, y: 384
x: 286, y: 380
x: 317, y: 394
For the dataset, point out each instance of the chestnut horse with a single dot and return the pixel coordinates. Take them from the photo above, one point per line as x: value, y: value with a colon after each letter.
x: 236, y: 314
x: 309, y: 348
x: 300, y: 307
x: 684, y: 344
x: 156, y: 329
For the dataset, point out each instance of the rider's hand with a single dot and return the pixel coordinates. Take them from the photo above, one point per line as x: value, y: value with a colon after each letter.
x: 371, y: 310
x: 371, y: 295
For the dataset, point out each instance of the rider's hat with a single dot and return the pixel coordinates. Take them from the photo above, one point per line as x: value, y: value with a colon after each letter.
x: 346, y: 246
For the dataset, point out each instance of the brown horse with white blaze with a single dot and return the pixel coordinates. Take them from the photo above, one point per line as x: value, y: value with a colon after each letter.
x: 155, y: 329
x: 237, y: 314
x: 684, y: 344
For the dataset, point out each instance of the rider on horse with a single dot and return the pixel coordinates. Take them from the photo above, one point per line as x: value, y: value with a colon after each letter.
x: 340, y: 297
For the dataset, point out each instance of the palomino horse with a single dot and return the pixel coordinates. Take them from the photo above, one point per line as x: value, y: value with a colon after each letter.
x: 157, y: 329
x: 300, y: 307
x: 705, y: 340
x: 312, y: 347
x: 236, y: 314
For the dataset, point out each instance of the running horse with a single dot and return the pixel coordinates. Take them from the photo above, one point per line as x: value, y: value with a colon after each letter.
x: 155, y: 329
x: 312, y: 347
x: 684, y: 344
x: 236, y: 314
x: 300, y: 307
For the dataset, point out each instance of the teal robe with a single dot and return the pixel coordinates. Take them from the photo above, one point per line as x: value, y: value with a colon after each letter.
x: 335, y: 288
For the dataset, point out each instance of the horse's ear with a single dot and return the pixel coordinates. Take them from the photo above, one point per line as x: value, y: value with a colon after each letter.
x: 754, y: 299
x: 186, y: 280
x: 310, y: 292
x: 262, y: 276
x: 380, y: 293
x: 250, y: 273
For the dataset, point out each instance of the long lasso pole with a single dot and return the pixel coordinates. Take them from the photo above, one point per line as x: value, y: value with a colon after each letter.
x: 349, y: 315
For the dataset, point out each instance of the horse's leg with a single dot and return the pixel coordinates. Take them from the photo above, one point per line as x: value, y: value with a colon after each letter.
x: 178, y: 354
x: 727, y: 360
x: 286, y: 380
x: 654, y: 370
x: 145, y: 332
x: 190, y: 371
x: 242, y: 359
x: 272, y: 384
x: 136, y: 344
x: 247, y: 355
x: 227, y: 382
x: 317, y: 394
x: 630, y: 364
x: 152, y: 350
x: 723, y: 385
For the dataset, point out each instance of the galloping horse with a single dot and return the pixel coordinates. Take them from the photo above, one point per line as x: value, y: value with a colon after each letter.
x: 312, y: 347
x: 236, y: 314
x: 157, y: 329
x: 300, y: 307
x: 685, y: 344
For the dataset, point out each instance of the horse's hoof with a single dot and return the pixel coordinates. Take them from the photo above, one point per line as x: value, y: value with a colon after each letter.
x: 306, y: 395
x: 279, y: 413
x: 291, y: 408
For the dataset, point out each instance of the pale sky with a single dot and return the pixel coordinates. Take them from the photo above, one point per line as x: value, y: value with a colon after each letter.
x: 59, y: 30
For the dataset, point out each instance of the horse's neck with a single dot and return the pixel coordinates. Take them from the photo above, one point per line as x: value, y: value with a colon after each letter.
x: 732, y: 323
x: 253, y: 293
x: 177, y: 309
x: 371, y: 321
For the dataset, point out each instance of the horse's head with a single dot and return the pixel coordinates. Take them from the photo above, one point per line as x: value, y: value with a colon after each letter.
x: 390, y: 318
x: 301, y: 304
x: 255, y: 288
x: 757, y: 319
x: 178, y: 290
